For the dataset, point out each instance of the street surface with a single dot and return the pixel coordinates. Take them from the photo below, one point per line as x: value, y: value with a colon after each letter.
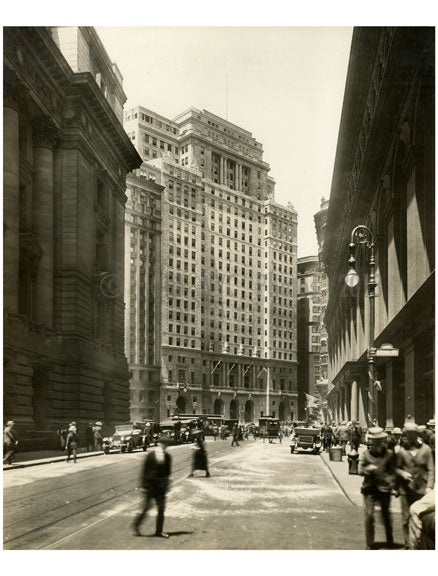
x: 259, y: 497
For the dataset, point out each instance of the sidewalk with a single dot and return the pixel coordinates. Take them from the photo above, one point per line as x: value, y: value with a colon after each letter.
x: 350, y: 483
x: 38, y: 457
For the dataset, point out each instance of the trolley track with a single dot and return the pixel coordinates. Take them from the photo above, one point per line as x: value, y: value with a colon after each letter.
x: 56, y: 515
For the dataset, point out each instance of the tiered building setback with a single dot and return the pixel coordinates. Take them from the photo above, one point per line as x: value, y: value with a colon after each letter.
x: 228, y: 269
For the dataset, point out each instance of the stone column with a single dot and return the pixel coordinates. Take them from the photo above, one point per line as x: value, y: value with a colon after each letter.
x: 221, y: 170
x: 409, y: 357
x: 45, y: 134
x: 224, y: 374
x: 354, y: 401
x: 225, y: 172
x: 11, y: 197
x: 389, y: 396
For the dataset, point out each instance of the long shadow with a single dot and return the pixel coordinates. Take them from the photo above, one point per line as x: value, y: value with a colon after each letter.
x: 386, y: 546
x: 175, y: 533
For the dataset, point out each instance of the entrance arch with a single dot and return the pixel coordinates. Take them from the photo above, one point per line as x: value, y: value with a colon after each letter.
x: 234, y: 409
x: 181, y: 405
x: 218, y: 407
x: 249, y: 411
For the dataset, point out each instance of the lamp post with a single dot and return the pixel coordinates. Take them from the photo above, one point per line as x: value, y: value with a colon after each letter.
x: 362, y: 235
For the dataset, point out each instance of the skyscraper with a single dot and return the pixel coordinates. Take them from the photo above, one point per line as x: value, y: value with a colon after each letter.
x: 227, y: 289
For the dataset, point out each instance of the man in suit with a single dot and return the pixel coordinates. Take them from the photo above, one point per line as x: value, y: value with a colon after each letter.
x: 155, y: 483
x: 377, y: 466
x: 415, y: 470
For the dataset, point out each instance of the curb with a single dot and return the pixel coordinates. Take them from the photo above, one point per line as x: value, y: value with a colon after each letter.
x: 49, y: 460
x: 339, y: 484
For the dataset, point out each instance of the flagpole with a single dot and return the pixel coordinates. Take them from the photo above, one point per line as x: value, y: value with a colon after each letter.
x: 268, y: 413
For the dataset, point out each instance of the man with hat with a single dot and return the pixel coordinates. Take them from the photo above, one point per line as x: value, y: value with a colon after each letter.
x: 155, y: 483
x: 377, y: 466
x: 10, y: 442
x: 71, y: 443
x: 355, y: 436
x: 415, y: 470
x: 200, y: 458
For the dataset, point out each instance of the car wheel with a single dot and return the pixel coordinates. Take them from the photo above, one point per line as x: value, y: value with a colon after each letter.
x: 123, y: 449
x: 130, y: 447
x: 106, y: 450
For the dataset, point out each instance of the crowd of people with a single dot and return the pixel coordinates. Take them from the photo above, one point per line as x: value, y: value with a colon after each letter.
x: 401, y: 463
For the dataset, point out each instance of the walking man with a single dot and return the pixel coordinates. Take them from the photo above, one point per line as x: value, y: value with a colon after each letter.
x: 71, y: 444
x: 155, y: 483
x: 89, y: 434
x: 235, y: 433
x: 10, y: 442
x: 415, y: 470
x: 355, y: 436
x: 377, y: 466
x: 200, y: 458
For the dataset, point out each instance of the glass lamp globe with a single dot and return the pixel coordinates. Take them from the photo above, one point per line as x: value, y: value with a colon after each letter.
x: 352, y: 278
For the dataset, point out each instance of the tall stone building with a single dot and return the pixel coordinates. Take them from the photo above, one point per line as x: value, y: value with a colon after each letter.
x: 384, y: 178
x: 320, y: 219
x: 228, y: 261
x: 309, y: 337
x: 65, y: 156
x: 142, y: 292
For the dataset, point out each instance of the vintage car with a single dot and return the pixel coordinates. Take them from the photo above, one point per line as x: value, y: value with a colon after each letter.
x: 127, y: 437
x: 305, y: 438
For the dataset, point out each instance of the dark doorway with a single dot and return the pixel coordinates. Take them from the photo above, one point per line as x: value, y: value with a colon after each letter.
x: 218, y: 407
x: 249, y: 411
x: 281, y: 411
x: 181, y: 405
x: 234, y: 409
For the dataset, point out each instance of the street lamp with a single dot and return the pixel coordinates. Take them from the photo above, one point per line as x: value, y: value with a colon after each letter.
x: 359, y: 236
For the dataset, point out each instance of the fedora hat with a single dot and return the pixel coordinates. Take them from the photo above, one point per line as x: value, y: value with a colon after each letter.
x: 10, y: 423
x: 98, y: 424
x: 376, y: 433
x: 430, y: 422
x: 410, y: 427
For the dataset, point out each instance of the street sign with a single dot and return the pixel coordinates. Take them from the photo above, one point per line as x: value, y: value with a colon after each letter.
x: 385, y: 351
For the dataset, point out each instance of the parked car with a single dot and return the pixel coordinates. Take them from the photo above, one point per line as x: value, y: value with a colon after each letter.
x: 305, y: 438
x: 127, y: 437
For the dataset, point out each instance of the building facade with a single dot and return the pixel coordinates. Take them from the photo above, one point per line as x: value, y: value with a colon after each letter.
x: 308, y: 327
x: 142, y: 293
x: 66, y: 156
x: 228, y: 261
x: 384, y: 178
x: 320, y: 219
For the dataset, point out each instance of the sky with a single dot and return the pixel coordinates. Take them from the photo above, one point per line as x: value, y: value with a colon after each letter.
x: 285, y: 85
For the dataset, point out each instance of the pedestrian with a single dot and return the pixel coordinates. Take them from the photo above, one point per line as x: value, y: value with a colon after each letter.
x: 355, y: 436
x: 430, y: 434
x: 280, y: 435
x: 71, y: 443
x: 10, y: 442
x: 415, y: 471
x: 62, y: 435
x: 235, y: 433
x: 89, y: 434
x: 97, y: 436
x: 417, y: 511
x: 155, y: 483
x: 215, y: 432
x: 328, y: 437
x: 377, y: 466
x: 263, y: 432
x: 200, y: 458
x: 343, y: 434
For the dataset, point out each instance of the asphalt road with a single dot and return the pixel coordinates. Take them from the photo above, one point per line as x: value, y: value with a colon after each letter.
x: 259, y: 497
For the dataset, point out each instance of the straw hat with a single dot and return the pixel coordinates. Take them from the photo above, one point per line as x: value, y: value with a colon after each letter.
x: 376, y: 433
x: 430, y: 422
x: 410, y: 427
x: 397, y: 431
